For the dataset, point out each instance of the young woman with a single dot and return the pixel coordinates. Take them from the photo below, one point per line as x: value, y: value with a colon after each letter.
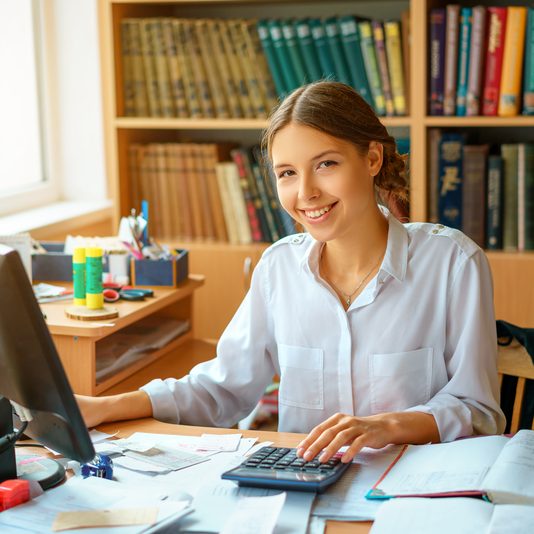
x: 381, y: 332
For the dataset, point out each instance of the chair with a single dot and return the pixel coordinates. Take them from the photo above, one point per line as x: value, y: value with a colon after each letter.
x: 516, y: 371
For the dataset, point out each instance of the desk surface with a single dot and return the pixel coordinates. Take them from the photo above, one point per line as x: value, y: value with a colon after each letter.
x: 285, y: 439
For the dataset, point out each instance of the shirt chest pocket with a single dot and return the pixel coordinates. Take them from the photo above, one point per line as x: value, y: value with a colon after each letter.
x: 301, y: 377
x: 400, y: 380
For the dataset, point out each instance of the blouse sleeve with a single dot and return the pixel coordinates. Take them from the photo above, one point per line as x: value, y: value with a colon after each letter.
x: 469, y: 403
x: 225, y: 389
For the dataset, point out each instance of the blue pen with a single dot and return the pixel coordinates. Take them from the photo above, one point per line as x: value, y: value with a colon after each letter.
x: 144, y: 211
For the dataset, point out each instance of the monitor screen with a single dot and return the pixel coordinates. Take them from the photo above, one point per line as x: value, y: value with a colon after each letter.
x: 31, y: 373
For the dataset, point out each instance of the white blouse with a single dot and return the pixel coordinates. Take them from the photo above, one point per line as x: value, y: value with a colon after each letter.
x: 420, y: 337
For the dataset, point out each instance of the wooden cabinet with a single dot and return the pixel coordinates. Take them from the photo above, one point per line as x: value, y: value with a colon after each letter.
x: 223, y: 264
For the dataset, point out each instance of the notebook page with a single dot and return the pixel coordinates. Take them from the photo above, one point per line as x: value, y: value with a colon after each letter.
x: 515, y: 518
x: 443, y: 467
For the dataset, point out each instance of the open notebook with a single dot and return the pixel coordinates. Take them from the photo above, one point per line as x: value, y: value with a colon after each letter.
x: 498, y: 467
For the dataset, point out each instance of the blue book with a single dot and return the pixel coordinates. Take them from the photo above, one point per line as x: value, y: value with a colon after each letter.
x: 494, y: 214
x: 466, y: 17
x: 450, y: 179
x: 437, y: 60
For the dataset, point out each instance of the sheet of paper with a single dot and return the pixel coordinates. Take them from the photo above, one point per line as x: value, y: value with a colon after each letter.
x: 138, y: 465
x: 22, y: 243
x: 437, y: 516
x: 137, y: 445
x: 219, y: 442
x: 98, y: 437
x: 169, y: 458
x: 346, y: 498
x: 117, y: 517
x: 515, y: 518
x: 443, y: 467
x: 255, y: 515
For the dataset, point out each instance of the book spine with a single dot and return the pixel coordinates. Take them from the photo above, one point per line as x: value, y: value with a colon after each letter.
x: 528, y: 76
x: 174, y: 192
x: 266, y: 205
x: 307, y: 49
x: 450, y: 179
x: 463, y: 60
x: 279, y: 44
x: 380, y: 51
x: 336, y: 50
x: 226, y: 203
x: 451, y: 58
x: 162, y: 70
x: 437, y: 60
x: 529, y: 196
x: 406, y: 59
x: 521, y: 190
x: 512, y: 63
x: 193, y: 188
x: 328, y: 67
x: 434, y: 138
x: 175, y: 74
x: 128, y: 80
x: 293, y: 50
x: 510, y: 159
x: 184, y: 194
x: 476, y: 59
x: 149, y: 68
x: 371, y: 66
x: 272, y: 58
x: 394, y: 53
x: 494, y: 224
x: 494, y: 56
x: 474, y: 192
x: 165, y: 193
x: 239, y: 203
x: 140, y: 84
x: 350, y: 39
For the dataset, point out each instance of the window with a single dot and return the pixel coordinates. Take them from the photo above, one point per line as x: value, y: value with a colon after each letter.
x: 24, y: 181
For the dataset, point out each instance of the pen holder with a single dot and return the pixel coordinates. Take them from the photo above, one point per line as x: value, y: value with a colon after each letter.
x: 163, y: 272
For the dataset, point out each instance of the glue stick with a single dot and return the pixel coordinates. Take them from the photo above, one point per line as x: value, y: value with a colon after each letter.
x: 78, y: 276
x: 93, y: 275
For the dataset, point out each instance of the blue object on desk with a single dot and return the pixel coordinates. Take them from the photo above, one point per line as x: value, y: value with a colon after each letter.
x: 280, y: 468
x: 100, y: 466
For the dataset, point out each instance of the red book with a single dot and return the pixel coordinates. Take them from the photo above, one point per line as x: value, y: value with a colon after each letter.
x: 494, y: 57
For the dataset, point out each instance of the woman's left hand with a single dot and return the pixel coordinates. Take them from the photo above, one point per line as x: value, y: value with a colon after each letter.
x: 357, y: 432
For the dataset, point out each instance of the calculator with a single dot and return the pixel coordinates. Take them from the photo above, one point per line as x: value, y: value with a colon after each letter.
x: 280, y: 468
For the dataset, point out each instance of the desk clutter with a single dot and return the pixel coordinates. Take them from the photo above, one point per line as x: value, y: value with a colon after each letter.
x: 174, y: 481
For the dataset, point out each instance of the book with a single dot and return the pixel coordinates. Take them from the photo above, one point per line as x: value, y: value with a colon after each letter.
x: 241, y: 206
x: 451, y: 58
x: 328, y: 68
x: 149, y: 67
x: 226, y: 204
x: 128, y: 79
x: 307, y: 49
x: 493, y: 63
x: 336, y: 50
x: 396, y: 72
x: 291, y: 81
x: 494, y: 218
x: 406, y: 41
x: 381, y: 57
x: 184, y: 196
x: 293, y: 50
x: 476, y: 58
x: 512, y: 63
x: 173, y: 184
x: 497, y: 467
x: 464, y: 46
x: 434, y: 138
x: 510, y: 161
x: 474, y: 192
x: 371, y: 65
x: 350, y: 40
x: 525, y: 196
x: 437, y: 60
x: 528, y: 70
x: 450, y: 179
x: 166, y: 102
x: 459, y: 515
x: 272, y: 58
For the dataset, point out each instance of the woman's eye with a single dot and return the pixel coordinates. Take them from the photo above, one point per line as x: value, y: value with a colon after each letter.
x: 327, y: 163
x: 286, y: 173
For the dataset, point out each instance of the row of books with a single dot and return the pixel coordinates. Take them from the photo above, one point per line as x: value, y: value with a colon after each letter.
x: 207, y: 192
x: 487, y: 192
x: 482, y: 61
x: 239, y: 68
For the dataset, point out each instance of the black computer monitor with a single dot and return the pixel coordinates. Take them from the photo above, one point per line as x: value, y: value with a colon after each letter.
x: 32, y: 376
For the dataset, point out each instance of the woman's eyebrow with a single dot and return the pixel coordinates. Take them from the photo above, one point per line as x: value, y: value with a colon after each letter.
x: 319, y: 156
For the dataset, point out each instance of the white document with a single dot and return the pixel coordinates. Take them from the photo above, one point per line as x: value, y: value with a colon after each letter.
x: 166, y: 457
x: 22, y: 243
x: 98, y: 437
x: 219, y: 442
x: 345, y: 500
x: 458, y: 515
x: 255, y: 515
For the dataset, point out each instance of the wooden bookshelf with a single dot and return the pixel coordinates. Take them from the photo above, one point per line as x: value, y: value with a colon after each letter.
x: 513, y: 293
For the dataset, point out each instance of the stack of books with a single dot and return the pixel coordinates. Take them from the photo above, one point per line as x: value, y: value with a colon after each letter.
x: 478, y: 58
x: 240, y: 68
x: 485, y: 191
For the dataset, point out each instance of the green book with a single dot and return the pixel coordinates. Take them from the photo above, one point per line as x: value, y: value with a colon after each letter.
x: 293, y: 50
x: 509, y: 154
x: 350, y: 39
x: 326, y: 62
x: 371, y: 65
x: 307, y: 49
x: 336, y: 50
x: 528, y: 71
x: 525, y: 197
x: 282, y: 54
x: 272, y: 60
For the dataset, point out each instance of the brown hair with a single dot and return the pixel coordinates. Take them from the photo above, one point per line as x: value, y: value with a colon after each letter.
x: 338, y: 110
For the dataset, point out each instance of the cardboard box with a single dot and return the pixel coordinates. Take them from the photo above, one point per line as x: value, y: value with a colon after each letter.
x: 55, y: 266
x: 167, y: 273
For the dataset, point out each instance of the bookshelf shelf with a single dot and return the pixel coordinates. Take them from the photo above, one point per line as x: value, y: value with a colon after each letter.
x: 476, y: 122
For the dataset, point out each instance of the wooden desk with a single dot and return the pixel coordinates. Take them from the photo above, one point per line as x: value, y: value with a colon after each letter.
x: 285, y: 439
x: 77, y: 341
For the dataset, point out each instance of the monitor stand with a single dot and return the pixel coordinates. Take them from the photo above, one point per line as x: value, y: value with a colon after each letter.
x: 46, y: 471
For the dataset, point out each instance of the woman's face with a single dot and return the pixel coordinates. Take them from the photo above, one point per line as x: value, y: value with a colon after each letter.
x: 323, y: 182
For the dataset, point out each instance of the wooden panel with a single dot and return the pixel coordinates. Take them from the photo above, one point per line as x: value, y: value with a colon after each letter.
x: 77, y: 355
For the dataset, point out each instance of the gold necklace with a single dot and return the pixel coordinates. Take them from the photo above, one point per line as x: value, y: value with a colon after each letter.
x: 348, y: 298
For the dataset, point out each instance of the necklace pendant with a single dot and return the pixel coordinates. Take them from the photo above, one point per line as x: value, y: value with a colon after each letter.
x: 348, y: 301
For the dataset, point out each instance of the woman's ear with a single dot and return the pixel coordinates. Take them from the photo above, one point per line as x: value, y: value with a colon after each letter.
x: 375, y: 156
